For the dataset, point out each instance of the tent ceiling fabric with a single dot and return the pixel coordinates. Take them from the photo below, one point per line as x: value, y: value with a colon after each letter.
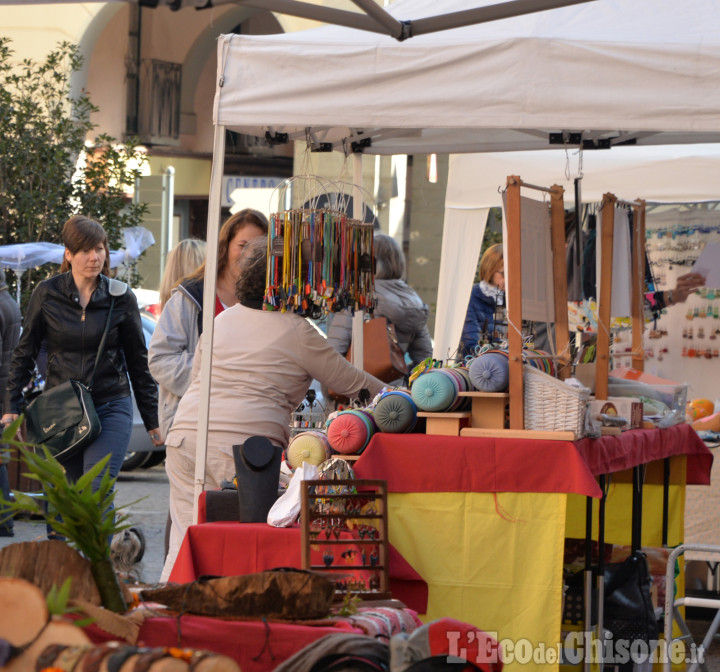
x: 648, y: 70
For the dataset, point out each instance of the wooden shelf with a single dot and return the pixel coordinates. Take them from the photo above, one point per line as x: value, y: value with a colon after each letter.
x: 485, y: 395
x: 369, y: 516
x: 518, y: 434
x: 346, y: 542
x: 348, y: 567
x: 445, y: 424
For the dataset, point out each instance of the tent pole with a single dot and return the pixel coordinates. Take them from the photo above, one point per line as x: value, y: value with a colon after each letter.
x: 374, y: 11
x: 211, y: 263
x: 358, y: 359
x: 305, y: 10
x: 513, y: 294
x: 638, y: 282
x: 562, y: 333
x: 502, y: 10
x: 602, y: 365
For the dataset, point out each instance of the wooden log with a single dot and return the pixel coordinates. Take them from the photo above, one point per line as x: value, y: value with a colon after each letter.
x: 56, y: 631
x: 51, y: 562
x: 213, y: 662
x: 23, y: 611
x: 154, y: 660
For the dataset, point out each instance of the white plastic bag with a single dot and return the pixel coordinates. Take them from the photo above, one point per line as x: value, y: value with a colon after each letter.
x: 286, y: 510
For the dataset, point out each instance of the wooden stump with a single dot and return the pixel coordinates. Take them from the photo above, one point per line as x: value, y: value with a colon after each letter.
x: 48, y: 563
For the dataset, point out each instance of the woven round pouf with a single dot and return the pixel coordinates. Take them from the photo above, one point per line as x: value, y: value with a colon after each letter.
x: 435, y: 391
x: 350, y: 431
x: 310, y: 447
x: 395, y: 412
x: 490, y: 372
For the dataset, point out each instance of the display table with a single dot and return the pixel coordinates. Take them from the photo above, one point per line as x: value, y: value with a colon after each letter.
x: 484, y: 520
x: 234, y: 549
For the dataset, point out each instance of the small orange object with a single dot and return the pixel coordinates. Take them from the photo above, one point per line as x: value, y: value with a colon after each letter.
x: 700, y: 408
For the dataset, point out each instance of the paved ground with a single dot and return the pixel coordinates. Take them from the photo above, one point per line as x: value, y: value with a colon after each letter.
x: 146, y: 492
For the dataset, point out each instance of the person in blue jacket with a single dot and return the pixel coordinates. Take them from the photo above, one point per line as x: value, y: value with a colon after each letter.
x: 486, y: 297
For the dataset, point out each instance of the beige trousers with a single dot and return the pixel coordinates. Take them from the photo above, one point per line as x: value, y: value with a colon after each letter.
x: 180, y: 449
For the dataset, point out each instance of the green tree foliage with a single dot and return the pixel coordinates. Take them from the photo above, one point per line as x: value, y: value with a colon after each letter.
x: 48, y: 169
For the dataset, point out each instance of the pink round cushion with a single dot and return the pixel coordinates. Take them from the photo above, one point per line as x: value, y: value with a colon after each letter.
x: 348, y: 433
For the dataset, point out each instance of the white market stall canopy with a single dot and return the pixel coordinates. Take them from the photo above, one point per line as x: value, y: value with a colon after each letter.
x: 646, y: 71
x: 598, y: 74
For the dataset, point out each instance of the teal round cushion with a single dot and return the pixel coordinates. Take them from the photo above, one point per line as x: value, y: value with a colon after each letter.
x: 395, y: 413
x: 434, y: 391
x: 490, y: 372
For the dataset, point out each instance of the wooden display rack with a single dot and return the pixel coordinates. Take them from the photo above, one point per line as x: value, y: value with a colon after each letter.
x: 488, y: 409
x: 445, y: 424
x: 487, y: 417
x: 513, y: 290
x: 346, y: 521
x: 607, y: 235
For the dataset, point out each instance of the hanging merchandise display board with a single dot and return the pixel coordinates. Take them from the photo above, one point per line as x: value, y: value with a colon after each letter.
x: 683, y: 343
x: 320, y: 260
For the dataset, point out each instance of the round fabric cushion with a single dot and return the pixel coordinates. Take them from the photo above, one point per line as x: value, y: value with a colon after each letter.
x: 461, y: 379
x: 349, y: 433
x: 310, y: 447
x: 434, y: 391
x: 395, y: 413
x: 490, y: 372
x: 369, y: 420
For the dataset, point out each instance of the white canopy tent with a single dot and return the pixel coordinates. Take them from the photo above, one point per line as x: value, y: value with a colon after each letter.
x: 603, y: 73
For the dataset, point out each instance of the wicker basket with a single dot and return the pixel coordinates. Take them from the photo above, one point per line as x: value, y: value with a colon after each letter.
x: 551, y: 405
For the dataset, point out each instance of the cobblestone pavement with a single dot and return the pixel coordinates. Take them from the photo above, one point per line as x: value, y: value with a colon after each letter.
x: 147, y: 493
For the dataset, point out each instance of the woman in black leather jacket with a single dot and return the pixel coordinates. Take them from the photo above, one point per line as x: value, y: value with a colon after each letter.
x: 68, y: 313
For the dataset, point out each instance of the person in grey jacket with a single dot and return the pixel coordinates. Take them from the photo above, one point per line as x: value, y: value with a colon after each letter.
x: 176, y: 335
x: 10, y: 322
x: 396, y: 301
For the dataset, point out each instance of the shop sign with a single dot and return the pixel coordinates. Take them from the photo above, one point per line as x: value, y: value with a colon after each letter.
x: 232, y: 182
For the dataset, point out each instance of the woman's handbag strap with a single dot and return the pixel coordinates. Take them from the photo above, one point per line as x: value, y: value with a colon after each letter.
x: 101, y: 347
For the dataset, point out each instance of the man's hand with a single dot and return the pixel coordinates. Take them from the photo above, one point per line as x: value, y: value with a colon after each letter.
x: 686, y: 285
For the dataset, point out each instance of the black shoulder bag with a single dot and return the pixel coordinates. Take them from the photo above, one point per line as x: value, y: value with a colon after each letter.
x: 63, y: 418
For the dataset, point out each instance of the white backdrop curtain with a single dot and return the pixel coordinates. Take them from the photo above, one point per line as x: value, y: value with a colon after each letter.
x: 463, y: 232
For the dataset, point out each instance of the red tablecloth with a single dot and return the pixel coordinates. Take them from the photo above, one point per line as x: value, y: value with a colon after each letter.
x: 422, y: 463
x: 256, y: 646
x: 234, y: 549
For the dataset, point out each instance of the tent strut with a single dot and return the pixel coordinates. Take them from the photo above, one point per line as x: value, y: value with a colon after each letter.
x: 378, y: 14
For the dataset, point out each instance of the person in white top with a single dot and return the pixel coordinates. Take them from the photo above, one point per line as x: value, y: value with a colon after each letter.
x: 262, y: 366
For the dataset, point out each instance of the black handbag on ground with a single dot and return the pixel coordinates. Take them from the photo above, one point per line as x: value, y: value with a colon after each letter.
x: 63, y: 418
x: 628, y: 608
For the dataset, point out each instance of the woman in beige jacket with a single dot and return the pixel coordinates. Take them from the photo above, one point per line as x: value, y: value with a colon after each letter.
x: 262, y: 366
